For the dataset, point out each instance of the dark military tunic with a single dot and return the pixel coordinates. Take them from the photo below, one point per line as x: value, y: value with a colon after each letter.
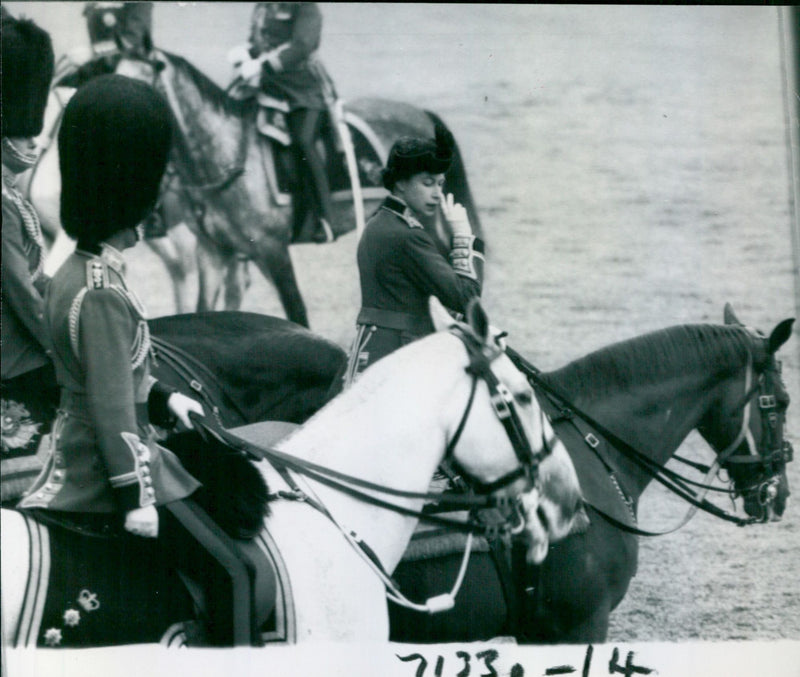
x: 25, y: 341
x: 400, y: 267
x: 28, y: 388
x: 104, y: 457
x: 288, y: 34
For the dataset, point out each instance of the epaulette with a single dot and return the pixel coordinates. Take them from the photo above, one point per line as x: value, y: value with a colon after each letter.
x: 412, y: 220
x: 97, y: 274
x: 401, y: 210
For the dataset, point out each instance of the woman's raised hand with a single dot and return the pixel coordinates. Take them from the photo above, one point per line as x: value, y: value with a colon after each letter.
x: 456, y: 216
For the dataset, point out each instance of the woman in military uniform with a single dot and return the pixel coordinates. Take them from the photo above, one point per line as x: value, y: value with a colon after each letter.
x: 113, y: 146
x: 29, y: 391
x: 399, y: 262
x: 284, y: 38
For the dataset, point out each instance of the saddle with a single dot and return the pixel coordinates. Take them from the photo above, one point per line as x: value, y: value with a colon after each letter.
x: 352, y: 155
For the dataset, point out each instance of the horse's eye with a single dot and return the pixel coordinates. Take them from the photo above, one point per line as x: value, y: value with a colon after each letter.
x: 525, y: 398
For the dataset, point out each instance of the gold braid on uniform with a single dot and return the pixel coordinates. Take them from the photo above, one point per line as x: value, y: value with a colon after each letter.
x: 141, y: 342
x: 30, y: 221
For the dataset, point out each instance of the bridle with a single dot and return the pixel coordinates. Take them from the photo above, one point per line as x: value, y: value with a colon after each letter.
x: 481, y: 356
x: 766, y: 460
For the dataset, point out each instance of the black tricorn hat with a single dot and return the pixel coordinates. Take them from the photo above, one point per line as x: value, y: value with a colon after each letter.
x: 412, y: 155
x: 27, y: 69
x: 113, y: 145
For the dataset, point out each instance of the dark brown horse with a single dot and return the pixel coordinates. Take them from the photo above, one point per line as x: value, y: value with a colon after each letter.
x: 646, y: 394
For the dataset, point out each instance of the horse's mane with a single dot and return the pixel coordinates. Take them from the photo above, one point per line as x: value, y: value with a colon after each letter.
x: 209, y: 89
x: 714, y: 349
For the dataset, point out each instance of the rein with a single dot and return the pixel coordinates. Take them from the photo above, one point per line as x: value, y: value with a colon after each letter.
x: 191, y: 371
x: 671, y: 480
x: 353, y: 486
x: 503, y: 403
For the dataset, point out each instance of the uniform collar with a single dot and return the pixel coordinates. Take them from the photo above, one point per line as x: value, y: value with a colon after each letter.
x: 113, y: 257
x: 397, y: 206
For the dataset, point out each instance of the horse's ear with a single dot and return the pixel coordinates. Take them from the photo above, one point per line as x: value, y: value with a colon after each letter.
x: 477, y: 319
x: 780, y: 335
x: 729, y: 316
x: 442, y: 320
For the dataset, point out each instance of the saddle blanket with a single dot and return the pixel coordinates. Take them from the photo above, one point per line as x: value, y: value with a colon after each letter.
x: 92, y: 591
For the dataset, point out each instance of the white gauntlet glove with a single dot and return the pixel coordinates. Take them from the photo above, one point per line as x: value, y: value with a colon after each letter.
x: 142, y: 521
x: 181, y: 405
x: 456, y: 217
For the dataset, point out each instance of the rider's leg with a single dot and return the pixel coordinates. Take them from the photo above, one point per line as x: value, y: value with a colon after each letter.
x: 206, y: 554
x: 304, y: 127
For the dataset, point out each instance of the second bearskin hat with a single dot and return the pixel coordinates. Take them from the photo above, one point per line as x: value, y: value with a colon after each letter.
x: 113, y: 146
x: 27, y: 69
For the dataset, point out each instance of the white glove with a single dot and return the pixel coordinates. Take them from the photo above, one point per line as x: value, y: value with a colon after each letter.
x: 456, y: 217
x: 181, y: 406
x: 238, y: 54
x: 250, y: 68
x: 142, y: 521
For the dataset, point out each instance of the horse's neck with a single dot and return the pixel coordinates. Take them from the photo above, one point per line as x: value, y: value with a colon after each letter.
x: 653, y: 419
x: 211, y: 133
x: 387, y: 429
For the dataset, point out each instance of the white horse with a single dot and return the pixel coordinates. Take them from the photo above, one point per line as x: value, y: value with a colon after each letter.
x: 392, y: 428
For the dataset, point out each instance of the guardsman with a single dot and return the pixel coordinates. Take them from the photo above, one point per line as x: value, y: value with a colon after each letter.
x: 105, y: 468
x: 113, y: 146
x: 282, y: 55
x: 29, y: 391
x: 400, y: 264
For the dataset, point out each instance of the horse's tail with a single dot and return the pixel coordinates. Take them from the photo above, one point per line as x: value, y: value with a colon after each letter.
x: 457, y: 182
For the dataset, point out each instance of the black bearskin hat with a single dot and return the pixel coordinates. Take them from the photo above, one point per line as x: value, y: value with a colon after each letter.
x: 113, y: 146
x: 27, y: 69
x: 411, y: 155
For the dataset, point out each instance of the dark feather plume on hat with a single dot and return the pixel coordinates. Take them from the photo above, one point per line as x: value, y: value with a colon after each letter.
x: 444, y: 143
x: 27, y: 69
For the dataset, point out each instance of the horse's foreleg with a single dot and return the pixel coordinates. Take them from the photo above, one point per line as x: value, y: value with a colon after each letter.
x: 276, y: 264
x: 210, y: 273
x: 237, y: 282
x: 174, y: 256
